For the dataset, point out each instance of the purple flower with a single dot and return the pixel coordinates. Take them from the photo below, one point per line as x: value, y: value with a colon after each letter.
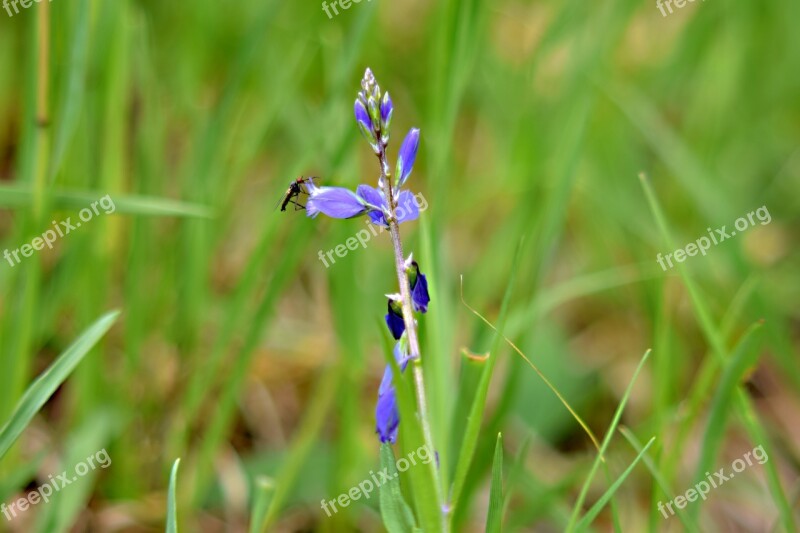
x: 407, y: 208
x: 387, y: 417
x: 419, y: 293
x: 419, y: 286
x: 407, y: 156
x: 336, y: 202
x: 394, y: 318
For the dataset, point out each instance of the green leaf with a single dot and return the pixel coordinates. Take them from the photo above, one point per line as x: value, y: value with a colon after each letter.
x: 172, y: 512
x: 599, y: 504
x: 46, y: 384
x: 396, y: 513
x: 494, y: 520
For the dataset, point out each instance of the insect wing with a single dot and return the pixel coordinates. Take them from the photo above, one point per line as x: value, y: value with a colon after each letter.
x: 284, y: 200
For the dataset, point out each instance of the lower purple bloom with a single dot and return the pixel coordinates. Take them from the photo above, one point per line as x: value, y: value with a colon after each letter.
x: 387, y: 416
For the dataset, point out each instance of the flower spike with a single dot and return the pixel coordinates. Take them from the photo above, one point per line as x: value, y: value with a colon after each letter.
x: 388, y: 205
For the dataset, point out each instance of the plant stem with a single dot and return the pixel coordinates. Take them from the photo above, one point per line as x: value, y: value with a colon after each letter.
x: 385, y: 182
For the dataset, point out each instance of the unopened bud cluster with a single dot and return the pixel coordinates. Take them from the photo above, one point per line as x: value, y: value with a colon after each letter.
x: 373, y: 112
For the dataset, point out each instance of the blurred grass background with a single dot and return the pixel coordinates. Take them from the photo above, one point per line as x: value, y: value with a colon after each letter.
x: 238, y: 351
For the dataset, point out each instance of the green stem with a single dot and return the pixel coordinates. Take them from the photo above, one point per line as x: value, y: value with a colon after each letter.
x: 408, y: 317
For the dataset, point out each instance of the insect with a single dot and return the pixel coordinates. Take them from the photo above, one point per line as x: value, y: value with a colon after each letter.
x: 296, y: 188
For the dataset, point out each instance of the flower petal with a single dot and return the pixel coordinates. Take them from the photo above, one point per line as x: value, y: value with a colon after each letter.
x: 386, y: 116
x: 407, y: 208
x: 362, y: 115
x: 336, y: 202
x: 407, y: 156
x: 377, y: 218
x: 419, y: 294
x: 419, y: 286
x: 374, y: 197
x: 386, y: 108
x: 386, y: 381
x: 387, y: 417
x: 394, y: 320
x: 365, y: 124
x: 402, y: 361
x: 371, y: 195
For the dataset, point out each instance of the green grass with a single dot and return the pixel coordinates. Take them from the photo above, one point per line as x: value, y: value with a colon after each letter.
x: 236, y: 350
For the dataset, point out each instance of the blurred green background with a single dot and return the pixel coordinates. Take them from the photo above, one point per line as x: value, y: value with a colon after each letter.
x: 238, y: 351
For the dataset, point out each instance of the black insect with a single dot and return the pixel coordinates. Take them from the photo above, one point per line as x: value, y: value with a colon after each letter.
x: 296, y: 188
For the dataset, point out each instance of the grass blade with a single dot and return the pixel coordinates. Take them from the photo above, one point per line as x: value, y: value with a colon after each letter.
x: 19, y: 196
x: 172, y: 511
x: 264, y: 489
x: 744, y: 357
x: 604, y: 447
x: 494, y: 519
x: 654, y: 471
x: 599, y: 504
x: 306, y: 436
x: 715, y: 340
x: 46, y: 384
x: 396, y: 514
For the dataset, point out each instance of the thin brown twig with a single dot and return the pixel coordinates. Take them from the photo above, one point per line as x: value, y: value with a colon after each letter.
x: 536, y: 369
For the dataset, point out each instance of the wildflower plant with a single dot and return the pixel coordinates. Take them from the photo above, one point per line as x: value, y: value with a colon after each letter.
x: 373, y: 112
